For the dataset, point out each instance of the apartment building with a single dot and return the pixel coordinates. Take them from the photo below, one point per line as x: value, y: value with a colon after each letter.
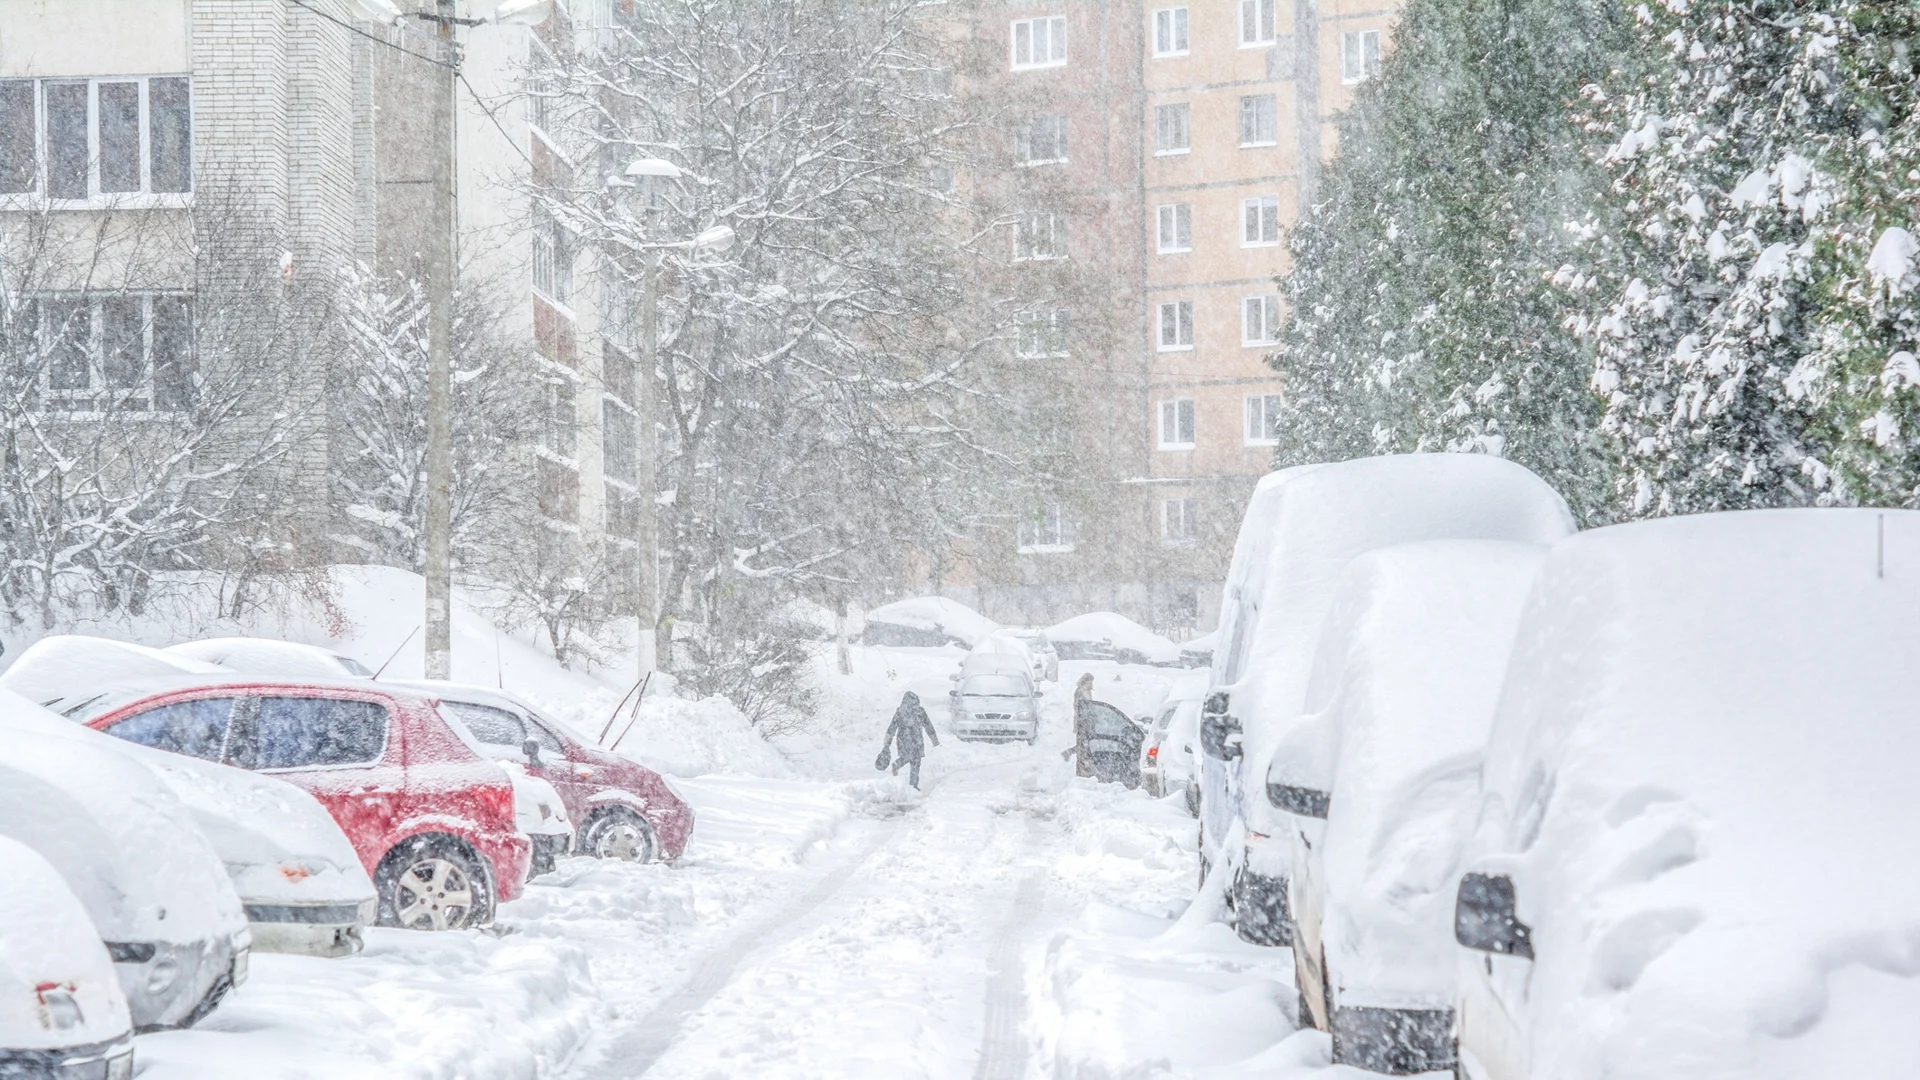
x: 165, y: 143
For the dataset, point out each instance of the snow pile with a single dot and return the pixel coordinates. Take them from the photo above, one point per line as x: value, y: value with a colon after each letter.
x: 1701, y: 779
x: 1131, y: 642
x: 48, y: 943
x: 690, y: 738
x: 926, y: 621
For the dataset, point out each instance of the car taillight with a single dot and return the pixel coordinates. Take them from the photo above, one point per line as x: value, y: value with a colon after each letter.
x: 1153, y: 752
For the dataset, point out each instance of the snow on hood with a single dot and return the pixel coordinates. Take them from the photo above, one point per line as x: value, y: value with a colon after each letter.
x: 1702, y: 779
x: 57, y: 986
x: 1121, y: 631
x: 950, y: 617
x: 1303, y: 527
x: 268, y: 656
x: 52, y: 667
x: 1405, y: 677
x: 119, y: 836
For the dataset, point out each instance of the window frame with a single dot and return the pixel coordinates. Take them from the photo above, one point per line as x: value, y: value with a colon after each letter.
x: 1188, y: 518
x: 1272, y: 103
x: 1162, y: 132
x: 1051, y: 532
x: 551, y: 275
x: 1056, y: 26
x: 1026, y: 141
x: 1269, y: 319
x: 1352, y: 47
x: 1182, y: 325
x: 100, y: 397
x: 37, y: 196
x: 1254, y: 212
x: 1177, y: 24
x: 1026, y: 233
x: 1261, y: 412
x: 1258, y: 8
x: 1174, y: 414
x: 1043, y: 333
x: 1181, y: 215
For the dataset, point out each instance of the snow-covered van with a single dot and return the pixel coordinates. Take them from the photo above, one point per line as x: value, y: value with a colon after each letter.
x: 154, y: 887
x: 62, y: 1012
x: 1698, y: 846
x: 1302, y: 526
x: 1381, y: 779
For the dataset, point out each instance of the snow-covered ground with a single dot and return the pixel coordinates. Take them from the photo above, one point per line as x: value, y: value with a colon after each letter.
x: 1008, y: 921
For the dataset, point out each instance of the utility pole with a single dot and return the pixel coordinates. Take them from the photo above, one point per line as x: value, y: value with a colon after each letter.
x: 440, y: 269
x: 646, y: 538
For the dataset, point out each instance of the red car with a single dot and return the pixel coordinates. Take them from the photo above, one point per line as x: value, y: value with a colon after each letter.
x: 620, y: 808
x: 432, y: 821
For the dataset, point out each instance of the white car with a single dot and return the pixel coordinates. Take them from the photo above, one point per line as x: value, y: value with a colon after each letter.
x: 1046, y: 659
x: 62, y: 1012
x: 1170, y: 759
x: 995, y: 703
x: 1698, y: 843
x: 1302, y: 527
x: 1381, y: 779
x: 156, y: 890
x: 268, y: 656
x: 1008, y: 644
x: 540, y: 816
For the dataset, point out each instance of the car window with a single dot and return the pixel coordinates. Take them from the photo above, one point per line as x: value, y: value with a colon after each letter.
x: 304, y: 732
x: 549, y: 742
x: 194, y: 728
x: 1110, y: 721
x: 488, y: 725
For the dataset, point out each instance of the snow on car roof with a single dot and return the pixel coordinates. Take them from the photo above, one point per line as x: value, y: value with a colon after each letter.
x: 1705, y: 757
x: 1405, y: 678
x: 270, y: 656
x: 1123, y: 632
x: 55, y: 666
x: 935, y: 612
x: 1308, y: 523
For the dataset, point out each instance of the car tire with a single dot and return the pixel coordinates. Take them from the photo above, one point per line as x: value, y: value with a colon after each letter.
x: 619, y: 833
x: 434, y: 882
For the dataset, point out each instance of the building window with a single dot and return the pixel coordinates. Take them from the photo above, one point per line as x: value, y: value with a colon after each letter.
x: 558, y: 491
x: 1040, y: 236
x: 1178, y: 521
x: 1256, y: 23
x: 558, y: 420
x: 1040, y: 42
x: 124, y: 351
x: 1260, y: 324
x: 1043, y: 333
x: 1176, y: 325
x: 1359, y: 55
x: 78, y: 140
x: 1041, y: 142
x: 1257, y: 125
x: 1262, y: 221
x: 1045, y: 531
x: 1172, y: 132
x: 622, y: 514
x: 1263, y: 419
x: 1170, y: 32
x: 619, y: 450
x: 552, y: 257
x: 1176, y: 227
x: 1176, y: 424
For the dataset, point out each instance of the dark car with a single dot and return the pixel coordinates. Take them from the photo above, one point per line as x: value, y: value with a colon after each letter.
x: 1113, y: 744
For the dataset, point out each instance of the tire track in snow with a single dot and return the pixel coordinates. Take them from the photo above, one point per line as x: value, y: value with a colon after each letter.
x: 631, y: 1055
x: 1003, y: 1045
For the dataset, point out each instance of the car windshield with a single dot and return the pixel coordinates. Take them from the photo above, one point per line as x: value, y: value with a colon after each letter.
x: 1004, y: 686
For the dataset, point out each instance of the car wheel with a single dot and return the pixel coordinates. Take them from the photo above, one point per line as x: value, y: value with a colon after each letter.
x: 433, y: 883
x: 621, y: 834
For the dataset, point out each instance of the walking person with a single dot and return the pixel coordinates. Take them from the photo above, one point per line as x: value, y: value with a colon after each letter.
x: 1082, y: 725
x: 909, y: 721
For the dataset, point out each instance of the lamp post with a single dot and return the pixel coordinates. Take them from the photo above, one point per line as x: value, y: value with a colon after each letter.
x: 648, y: 180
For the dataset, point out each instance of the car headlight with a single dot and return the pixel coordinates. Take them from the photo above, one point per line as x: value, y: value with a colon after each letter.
x: 161, y: 975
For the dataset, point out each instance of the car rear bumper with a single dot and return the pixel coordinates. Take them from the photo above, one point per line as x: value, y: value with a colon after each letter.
x: 110, y: 1060
x: 316, y: 929
x: 1398, y: 1042
x: 169, y: 985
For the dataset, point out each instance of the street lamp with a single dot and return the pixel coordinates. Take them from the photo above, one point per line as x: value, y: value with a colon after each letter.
x: 646, y: 182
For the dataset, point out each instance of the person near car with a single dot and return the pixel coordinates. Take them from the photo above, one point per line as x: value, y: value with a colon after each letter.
x: 910, y: 720
x: 1082, y: 725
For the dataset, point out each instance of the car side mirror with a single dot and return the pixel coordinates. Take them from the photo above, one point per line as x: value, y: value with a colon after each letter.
x: 1220, y: 736
x: 1304, y: 801
x: 1484, y: 917
x: 531, y: 749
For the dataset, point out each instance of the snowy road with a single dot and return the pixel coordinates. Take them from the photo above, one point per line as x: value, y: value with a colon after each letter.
x: 1009, y: 923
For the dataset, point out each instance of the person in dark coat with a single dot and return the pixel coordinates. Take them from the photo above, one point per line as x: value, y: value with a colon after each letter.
x: 909, y: 720
x: 1082, y: 726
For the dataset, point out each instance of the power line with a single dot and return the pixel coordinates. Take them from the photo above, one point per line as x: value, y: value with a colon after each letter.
x: 371, y: 37
x: 511, y: 141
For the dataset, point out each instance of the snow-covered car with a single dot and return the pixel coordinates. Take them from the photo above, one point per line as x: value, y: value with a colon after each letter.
x: 1045, y: 658
x: 155, y: 889
x: 1198, y: 652
x: 992, y: 705
x: 926, y: 621
x: 54, y: 667
x: 541, y: 816
x: 620, y: 809
x: 432, y: 821
x: 62, y: 1011
x: 1381, y: 779
x: 1169, y: 762
x: 1105, y: 635
x: 268, y: 656
x: 1038, y: 664
x: 1696, y: 847
x: 1302, y: 526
